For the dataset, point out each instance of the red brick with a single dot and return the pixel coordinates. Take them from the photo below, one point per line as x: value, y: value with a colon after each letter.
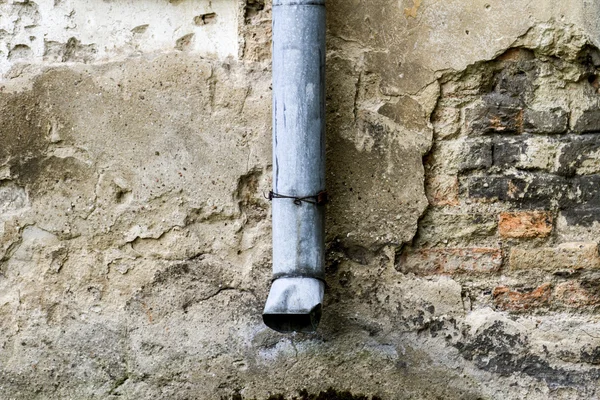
x: 575, y: 256
x: 526, y: 224
x: 573, y: 295
x: 442, y: 190
x: 510, y: 300
x: 434, y: 261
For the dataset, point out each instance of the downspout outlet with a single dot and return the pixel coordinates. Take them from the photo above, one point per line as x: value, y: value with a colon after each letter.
x: 294, y: 305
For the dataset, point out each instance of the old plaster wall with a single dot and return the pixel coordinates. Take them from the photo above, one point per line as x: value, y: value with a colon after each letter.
x: 462, y: 232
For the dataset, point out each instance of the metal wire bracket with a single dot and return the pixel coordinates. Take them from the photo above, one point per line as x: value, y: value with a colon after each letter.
x: 318, y: 199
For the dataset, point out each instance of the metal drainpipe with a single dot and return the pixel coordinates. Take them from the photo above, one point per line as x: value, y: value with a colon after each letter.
x: 294, y: 302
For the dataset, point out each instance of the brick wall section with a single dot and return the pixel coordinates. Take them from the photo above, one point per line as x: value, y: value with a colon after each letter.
x: 573, y: 256
x: 451, y: 261
x: 566, y: 295
x: 527, y: 164
x: 528, y: 224
x: 442, y: 190
x: 574, y: 294
x: 507, y: 299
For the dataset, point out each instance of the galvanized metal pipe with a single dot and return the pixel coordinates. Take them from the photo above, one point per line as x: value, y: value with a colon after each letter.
x: 294, y: 302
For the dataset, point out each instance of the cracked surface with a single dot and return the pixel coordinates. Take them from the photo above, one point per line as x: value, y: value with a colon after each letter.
x: 135, y: 237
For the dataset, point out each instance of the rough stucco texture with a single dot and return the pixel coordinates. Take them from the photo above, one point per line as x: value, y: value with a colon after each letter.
x: 462, y: 258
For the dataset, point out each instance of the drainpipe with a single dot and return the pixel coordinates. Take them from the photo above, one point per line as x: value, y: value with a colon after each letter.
x: 298, y: 196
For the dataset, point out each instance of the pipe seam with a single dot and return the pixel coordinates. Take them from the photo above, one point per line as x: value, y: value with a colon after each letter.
x: 319, y: 277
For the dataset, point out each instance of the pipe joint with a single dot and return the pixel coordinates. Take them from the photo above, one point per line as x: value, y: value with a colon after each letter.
x: 312, y: 275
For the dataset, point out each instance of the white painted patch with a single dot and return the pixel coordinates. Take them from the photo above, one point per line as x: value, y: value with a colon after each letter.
x: 56, y: 31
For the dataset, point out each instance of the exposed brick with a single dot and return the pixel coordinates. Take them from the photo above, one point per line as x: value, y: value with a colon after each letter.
x: 527, y: 224
x: 525, y: 152
x: 507, y: 152
x: 542, y: 191
x: 587, y: 122
x: 579, y: 155
x: 576, y: 194
x: 540, y: 154
x: 485, y: 119
x: 515, y: 81
x: 551, y: 121
x: 528, y: 191
x: 574, y: 255
x: 582, y: 216
x: 571, y: 294
x: 488, y: 187
x: 442, y: 190
x: 586, y: 190
x: 511, y: 300
x: 476, y: 154
x: 434, y: 261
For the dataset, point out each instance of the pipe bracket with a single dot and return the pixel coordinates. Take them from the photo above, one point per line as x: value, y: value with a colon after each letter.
x: 319, y: 199
x: 284, y: 275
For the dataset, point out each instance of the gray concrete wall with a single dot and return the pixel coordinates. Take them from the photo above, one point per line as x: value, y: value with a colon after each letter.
x: 462, y: 230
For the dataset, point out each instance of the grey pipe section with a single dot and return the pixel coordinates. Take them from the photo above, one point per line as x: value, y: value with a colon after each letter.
x: 296, y: 296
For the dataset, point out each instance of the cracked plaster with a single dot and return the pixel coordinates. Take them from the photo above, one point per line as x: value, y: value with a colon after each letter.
x: 134, y: 236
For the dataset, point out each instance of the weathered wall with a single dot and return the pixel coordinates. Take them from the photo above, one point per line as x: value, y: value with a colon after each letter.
x: 463, y: 164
